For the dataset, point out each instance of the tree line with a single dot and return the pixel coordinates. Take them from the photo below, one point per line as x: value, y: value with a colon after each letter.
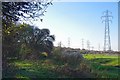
x: 24, y: 41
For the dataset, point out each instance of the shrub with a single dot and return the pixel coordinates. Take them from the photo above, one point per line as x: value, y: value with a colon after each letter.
x: 72, y: 57
x: 44, y: 54
x: 24, y: 52
x: 57, y: 53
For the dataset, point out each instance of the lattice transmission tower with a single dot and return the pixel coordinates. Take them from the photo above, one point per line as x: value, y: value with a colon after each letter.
x: 68, y: 42
x: 88, y: 44
x: 82, y: 43
x: 106, y: 17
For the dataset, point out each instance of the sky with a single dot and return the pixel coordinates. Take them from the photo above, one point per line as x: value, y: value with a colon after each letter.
x: 80, y: 20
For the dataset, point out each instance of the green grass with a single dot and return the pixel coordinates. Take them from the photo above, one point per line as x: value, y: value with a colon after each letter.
x: 91, y: 56
x: 32, y: 69
x: 44, y: 68
x: 103, y: 65
x: 39, y: 69
x: 104, y: 59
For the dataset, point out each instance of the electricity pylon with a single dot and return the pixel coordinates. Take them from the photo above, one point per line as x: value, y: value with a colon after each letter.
x: 107, y: 43
x: 68, y: 42
x: 98, y: 47
x: 82, y: 43
x: 88, y: 44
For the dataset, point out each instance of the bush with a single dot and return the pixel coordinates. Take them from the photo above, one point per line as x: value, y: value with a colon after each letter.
x: 57, y: 53
x: 25, y: 52
x: 43, y: 55
x: 82, y: 71
x: 72, y: 57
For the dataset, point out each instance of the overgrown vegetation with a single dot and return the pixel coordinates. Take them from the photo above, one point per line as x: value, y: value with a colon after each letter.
x: 47, y: 68
x: 96, y: 66
x: 28, y: 52
x: 22, y: 41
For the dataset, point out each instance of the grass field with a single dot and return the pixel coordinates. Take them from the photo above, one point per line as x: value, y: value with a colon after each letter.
x: 104, y: 65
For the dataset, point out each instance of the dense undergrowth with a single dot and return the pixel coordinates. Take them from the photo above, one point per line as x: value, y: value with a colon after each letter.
x: 94, y: 66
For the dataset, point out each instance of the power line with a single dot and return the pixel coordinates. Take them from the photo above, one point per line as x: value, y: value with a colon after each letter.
x: 107, y: 43
x: 98, y: 47
x: 92, y: 48
x: 68, y: 42
x: 88, y: 44
x: 59, y: 44
x: 82, y: 43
